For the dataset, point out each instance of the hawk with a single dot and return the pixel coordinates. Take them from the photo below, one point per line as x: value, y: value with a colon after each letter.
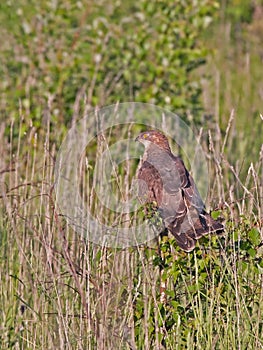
x: 165, y: 181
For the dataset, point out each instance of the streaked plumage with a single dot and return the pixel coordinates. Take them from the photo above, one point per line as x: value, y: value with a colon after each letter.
x: 165, y: 180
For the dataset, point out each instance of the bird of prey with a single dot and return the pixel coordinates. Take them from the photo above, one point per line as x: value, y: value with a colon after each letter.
x: 164, y: 180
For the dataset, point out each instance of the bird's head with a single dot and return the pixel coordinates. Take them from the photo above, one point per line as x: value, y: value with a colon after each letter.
x: 153, y: 137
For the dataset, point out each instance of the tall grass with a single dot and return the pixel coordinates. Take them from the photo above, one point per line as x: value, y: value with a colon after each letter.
x: 59, y: 291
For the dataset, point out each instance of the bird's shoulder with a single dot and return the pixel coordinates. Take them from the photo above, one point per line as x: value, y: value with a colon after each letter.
x: 147, y: 171
x: 150, y: 183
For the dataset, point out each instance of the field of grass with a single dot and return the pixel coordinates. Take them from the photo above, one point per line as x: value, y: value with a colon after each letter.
x: 60, y: 291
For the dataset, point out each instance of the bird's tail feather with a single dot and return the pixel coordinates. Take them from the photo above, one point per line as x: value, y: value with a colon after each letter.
x: 210, y: 224
x: 189, y: 232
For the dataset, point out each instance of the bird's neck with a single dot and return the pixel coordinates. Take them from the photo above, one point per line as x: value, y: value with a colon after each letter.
x: 154, y: 151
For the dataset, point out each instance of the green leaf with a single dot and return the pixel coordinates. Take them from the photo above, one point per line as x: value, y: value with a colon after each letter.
x: 252, y: 252
x: 254, y: 236
x: 215, y: 214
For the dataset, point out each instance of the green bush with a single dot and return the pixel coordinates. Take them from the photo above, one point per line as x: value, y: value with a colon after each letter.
x: 110, y: 52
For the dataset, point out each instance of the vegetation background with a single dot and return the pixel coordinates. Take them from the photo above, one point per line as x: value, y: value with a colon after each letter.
x: 60, y: 59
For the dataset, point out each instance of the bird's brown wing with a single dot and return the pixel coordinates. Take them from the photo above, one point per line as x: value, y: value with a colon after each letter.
x: 169, y: 169
x: 197, y: 222
x: 192, y: 195
x: 178, y: 200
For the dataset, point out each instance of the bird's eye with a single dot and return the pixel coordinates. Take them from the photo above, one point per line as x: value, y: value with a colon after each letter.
x: 145, y: 136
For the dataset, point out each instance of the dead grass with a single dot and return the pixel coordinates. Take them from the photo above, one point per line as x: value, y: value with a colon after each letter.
x: 60, y: 291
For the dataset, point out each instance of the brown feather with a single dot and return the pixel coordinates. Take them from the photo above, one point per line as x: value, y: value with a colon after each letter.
x: 165, y: 180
